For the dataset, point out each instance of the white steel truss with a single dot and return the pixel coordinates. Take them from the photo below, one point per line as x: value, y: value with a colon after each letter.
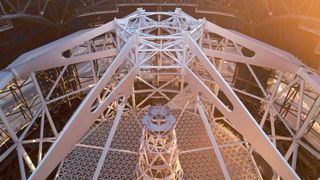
x: 156, y: 57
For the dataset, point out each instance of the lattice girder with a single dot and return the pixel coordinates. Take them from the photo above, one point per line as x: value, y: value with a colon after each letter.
x: 149, y: 58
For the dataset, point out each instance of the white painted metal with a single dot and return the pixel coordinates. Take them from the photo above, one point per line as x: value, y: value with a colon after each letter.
x: 239, y: 116
x: 45, y: 108
x: 51, y: 55
x: 212, y: 139
x: 181, y: 55
x: 109, y: 140
x: 83, y: 118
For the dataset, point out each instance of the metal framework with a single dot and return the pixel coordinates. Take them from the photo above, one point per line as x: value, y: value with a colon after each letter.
x: 149, y: 58
x: 158, y: 153
x: 28, y: 20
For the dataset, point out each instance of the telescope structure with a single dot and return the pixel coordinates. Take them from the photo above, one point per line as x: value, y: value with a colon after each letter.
x: 158, y: 154
x: 158, y: 95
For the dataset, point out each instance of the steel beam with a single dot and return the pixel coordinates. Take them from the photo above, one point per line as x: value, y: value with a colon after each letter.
x: 109, y: 139
x: 83, y: 117
x: 239, y: 116
x: 212, y: 139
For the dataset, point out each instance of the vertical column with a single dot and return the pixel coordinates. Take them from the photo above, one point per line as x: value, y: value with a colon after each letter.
x: 158, y: 156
